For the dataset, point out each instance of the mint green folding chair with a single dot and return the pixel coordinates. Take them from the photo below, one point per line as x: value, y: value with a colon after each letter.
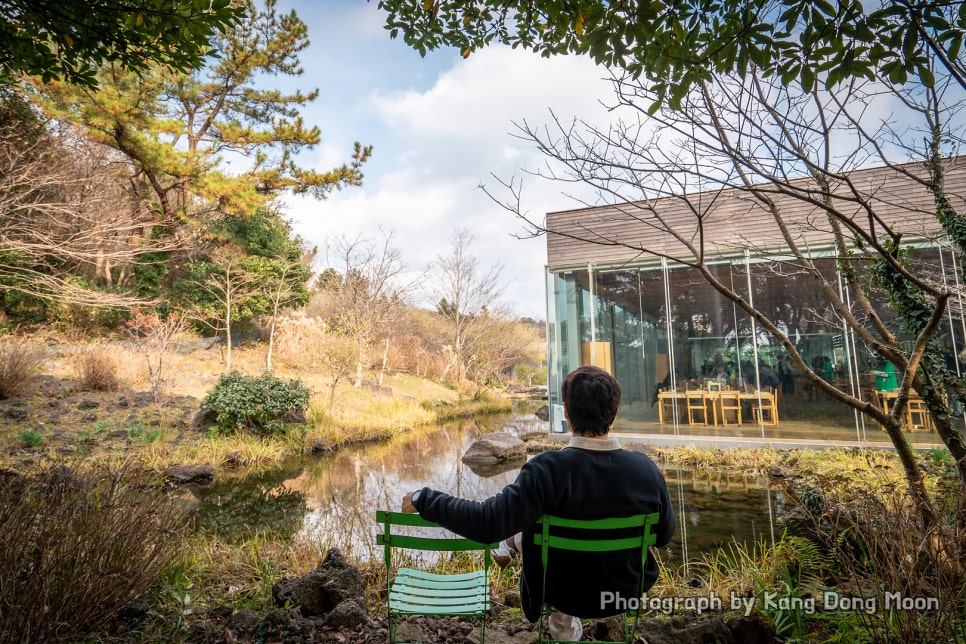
x: 594, y: 536
x: 417, y: 592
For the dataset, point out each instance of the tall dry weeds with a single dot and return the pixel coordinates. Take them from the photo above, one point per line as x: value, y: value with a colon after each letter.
x: 881, y: 551
x: 19, y: 364
x: 75, y: 547
x: 97, y: 368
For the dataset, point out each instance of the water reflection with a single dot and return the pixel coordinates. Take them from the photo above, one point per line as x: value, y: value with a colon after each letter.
x: 333, y: 500
x: 258, y: 504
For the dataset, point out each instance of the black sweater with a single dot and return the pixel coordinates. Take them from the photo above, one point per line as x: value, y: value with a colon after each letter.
x: 590, y: 479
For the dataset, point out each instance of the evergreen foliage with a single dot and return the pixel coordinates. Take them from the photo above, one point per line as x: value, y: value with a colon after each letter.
x: 70, y: 39
x: 255, y: 403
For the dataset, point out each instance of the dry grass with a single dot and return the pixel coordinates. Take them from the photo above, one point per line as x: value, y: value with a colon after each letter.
x: 19, y: 364
x: 96, y: 368
x: 237, y: 449
x: 879, y: 549
x: 75, y: 547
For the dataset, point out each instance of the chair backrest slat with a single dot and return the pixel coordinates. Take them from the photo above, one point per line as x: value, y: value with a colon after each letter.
x: 591, y: 545
x: 593, y: 540
x: 441, y: 544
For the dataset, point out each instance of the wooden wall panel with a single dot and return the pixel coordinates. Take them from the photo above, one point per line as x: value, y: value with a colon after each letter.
x: 734, y: 220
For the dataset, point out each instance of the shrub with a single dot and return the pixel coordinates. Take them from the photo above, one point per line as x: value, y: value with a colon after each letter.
x: 19, y: 363
x: 258, y: 403
x: 75, y: 547
x: 31, y: 438
x: 96, y: 368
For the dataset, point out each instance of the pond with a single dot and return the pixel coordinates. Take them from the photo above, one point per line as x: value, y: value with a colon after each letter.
x: 332, y: 500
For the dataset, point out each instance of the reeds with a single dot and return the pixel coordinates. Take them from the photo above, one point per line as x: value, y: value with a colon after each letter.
x: 19, y: 364
x: 96, y: 368
x: 76, y: 546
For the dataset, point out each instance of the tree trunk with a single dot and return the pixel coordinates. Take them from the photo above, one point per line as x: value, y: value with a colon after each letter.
x: 358, y: 380
x: 385, y: 358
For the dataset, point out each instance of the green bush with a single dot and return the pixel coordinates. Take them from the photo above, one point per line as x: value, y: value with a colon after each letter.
x: 258, y: 403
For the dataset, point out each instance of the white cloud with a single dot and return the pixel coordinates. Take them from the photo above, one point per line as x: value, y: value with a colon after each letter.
x: 442, y: 143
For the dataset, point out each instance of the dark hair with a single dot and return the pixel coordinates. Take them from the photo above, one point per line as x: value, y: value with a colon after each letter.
x: 591, y: 397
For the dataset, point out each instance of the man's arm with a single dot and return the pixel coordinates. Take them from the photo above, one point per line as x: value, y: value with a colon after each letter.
x: 516, y: 507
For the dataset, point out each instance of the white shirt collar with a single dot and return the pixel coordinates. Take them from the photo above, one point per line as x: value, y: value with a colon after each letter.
x: 596, y: 444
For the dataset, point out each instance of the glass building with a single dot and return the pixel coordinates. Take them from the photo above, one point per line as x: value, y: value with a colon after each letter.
x: 690, y: 361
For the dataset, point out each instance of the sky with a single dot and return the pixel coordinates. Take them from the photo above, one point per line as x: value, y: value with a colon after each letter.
x: 440, y: 126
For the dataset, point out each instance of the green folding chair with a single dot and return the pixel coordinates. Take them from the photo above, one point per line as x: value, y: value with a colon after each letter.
x: 417, y: 592
x: 594, y: 536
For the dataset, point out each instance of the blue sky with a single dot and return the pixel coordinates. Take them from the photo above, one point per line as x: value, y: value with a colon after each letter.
x: 440, y: 126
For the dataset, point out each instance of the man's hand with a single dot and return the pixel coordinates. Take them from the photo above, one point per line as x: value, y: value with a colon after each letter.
x: 407, y: 503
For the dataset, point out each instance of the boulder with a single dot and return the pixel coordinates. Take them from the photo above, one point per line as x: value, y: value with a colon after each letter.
x: 543, y: 413
x: 15, y: 414
x: 204, y: 418
x: 243, y: 622
x: 716, y: 629
x: 346, y: 615
x: 494, y: 448
x: 285, y: 621
x: 187, y: 474
x: 296, y: 416
x: 322, y: 591
x: 409, y: 632
x: 755, y: 628
x: 494, y: 636
x: 488, y: 469
x: 679, y: 630
x: 779, y: 472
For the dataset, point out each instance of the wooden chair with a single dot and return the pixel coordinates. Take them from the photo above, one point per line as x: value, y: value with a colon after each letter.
x: 601, y: 535
x: 729, y: 402
x: 668, y: 398
x: 696, y: 401
x: 917, y: 415
x: 416, y: 592
x: 764, y: 407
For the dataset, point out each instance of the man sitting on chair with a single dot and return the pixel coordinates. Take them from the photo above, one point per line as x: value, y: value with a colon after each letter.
x: 592, y: 478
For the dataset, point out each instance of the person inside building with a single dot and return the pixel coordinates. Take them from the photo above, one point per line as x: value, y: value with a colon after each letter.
x: 885, y: 376
x: 593, y: 477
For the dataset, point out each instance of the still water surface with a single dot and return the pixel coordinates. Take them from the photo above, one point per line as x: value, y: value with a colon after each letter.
x: 333, y: 499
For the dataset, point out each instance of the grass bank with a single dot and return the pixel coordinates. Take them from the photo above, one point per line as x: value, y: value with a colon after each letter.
x: 56, y: 421
x: 210, y: 572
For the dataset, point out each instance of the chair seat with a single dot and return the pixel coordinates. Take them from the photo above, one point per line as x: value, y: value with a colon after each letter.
x: 420, y: 592
x: 416, y: 592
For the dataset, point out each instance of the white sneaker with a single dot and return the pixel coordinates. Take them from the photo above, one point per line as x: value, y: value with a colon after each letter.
x: 504, y: 555
x: 565, y: 627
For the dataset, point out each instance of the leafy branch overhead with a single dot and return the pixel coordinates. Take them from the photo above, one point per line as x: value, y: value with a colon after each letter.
x: 70, y: 40
x: 678, y: 44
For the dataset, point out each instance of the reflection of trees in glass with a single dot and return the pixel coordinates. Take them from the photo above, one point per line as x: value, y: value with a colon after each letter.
x: 235, y: 509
